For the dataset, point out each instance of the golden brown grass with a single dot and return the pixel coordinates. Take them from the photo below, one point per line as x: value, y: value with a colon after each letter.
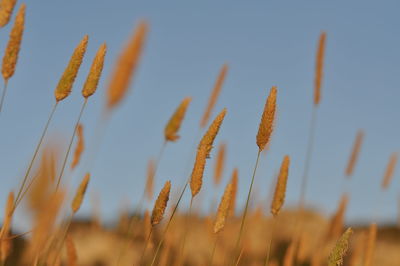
x: 151, y: 170
x: 223, y: 209
x: 340, y: 249
x: 67, y: 80
x: 220, y: 163
x: 160, y: 204
x: 391, y: 167
x: 267, y: 120
x: 80, y: 194
x: 263, y: 136
x: 6, y: 9
x: 14, y: 45
x: 354, y: 153
x: 280, y: 189
x: 174, y: 124
x: 319, y: 68
x: 92, y: 80
x: 72, y: 257
x: 45, y: 201
x: 337, y: 221
x: 6, y: 244
x: 370, y: 245
x: 125, y: 66
x: 209, y: 137
x: 235, y: 184
x: 214, y: 96
x: 80, y: 146
x: 196, y: 179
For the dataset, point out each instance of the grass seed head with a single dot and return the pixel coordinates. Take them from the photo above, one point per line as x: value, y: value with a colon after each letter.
x: 92, y: 80
x: 126, y: 66
x: 174, y: 124
x: 14, y: 45
x: 6, y: 9
x: 161, y: 204
x: 67, y: 80
x: 267, y: 120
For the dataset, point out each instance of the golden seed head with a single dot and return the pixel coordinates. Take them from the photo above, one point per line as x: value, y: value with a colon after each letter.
x: 161, y: 204
x: 209, y: 137
x: 235, y: 183
x: 126, y: 66
x: 80, y: 193
x: 174, y: 124
x: 14, y: 44
x: 354, y: 153
x: 220, y: 162
x: 340, y: 249
x: 66, y: 81
x: 92, y: 80
x: 6, y: 9
x: 223, y: 209
x: 151, y: 170
x: 280, y: 189
x: 214, y: 95
x: 391, y: 167
x: 267, y: 120
x: 196, y: 179
x: 319, y: 68
x: 80, y: 146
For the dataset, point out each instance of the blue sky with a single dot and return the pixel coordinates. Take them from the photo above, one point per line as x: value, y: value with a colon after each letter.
x: 265, y: 43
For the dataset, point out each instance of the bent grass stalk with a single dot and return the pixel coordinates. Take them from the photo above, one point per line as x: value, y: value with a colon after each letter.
x: 246, y: 208
x: 18, y: 198
x: 70, y: 144
x: 3, y: 94
x: 75, y: 206
x: 262, y: 140
x: 139, y: 206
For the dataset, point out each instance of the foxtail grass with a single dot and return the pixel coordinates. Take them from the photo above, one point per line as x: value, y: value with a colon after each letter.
x: 319, y: 65
x: 158, y: 213
x: 62, y: 90
x: 205, y: 145
x: 89, y: 88
x: 6, y: 9
x: 262, y: 139
x: 339, y: 251
x: 214, y: 96
x: 13, y: 47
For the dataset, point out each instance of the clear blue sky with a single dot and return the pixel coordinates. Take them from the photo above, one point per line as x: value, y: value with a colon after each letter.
x: 265, y: 43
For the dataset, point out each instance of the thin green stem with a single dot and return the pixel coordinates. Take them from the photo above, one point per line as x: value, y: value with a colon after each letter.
x: 239, y: 257
x: 17, y: 199
x: 186, y: 228
x: 307, y: 163
x: 145, y: 246
x: 169, y: 223
x: 3, y: 95
x: 268, y: 252
x: 62, y: 239
x: 70, y: 144
x: 213, y: 250
x: 139, y: 206
x: 247, y: 203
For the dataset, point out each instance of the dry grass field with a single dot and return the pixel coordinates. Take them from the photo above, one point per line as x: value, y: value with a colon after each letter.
x: 257, y: 233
